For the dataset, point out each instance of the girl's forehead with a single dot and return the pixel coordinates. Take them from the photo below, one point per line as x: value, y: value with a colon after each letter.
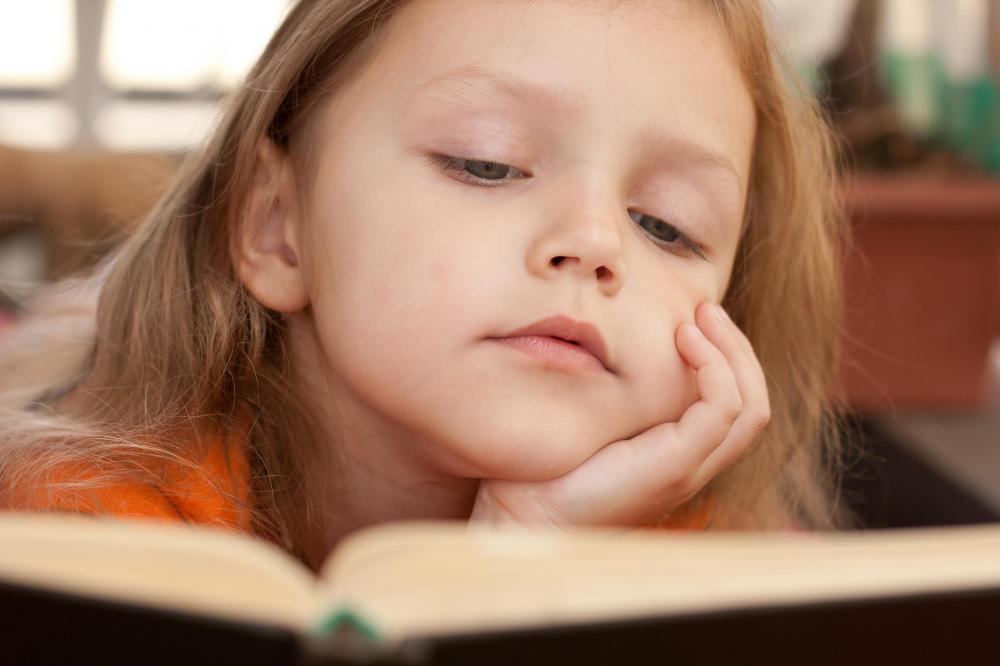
x: 525, y: 26
x: 648, y: 68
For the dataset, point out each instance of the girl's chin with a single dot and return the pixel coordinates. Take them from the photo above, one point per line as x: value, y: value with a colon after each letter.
x: 533, y: 462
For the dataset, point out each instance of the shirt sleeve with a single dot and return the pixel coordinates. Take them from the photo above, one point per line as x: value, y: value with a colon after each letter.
x: 214, y: 492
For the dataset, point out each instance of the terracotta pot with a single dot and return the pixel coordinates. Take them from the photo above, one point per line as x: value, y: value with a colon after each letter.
x: 922, y: 292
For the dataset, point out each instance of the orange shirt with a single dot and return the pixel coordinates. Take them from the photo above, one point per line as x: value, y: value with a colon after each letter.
x: 689, y: 519
x: 213, y: 492
x: 189, y: 495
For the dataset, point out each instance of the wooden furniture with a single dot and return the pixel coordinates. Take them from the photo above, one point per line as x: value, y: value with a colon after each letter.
x: 922, y: 291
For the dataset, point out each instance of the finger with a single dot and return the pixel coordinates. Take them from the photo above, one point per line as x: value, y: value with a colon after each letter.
x: 743, y: 341
x: 709, y: 420
x: 734, y: 345
x: 639, y: 463
x: 751, y: 383
x: 621, y: 477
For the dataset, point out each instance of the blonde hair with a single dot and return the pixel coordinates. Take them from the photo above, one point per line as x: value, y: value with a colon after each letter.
x: 179, y: 345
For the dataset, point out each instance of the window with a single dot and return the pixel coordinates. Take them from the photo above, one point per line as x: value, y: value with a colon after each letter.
x: 143, y: 75
x: 37, y: 43
x: 184, y: 44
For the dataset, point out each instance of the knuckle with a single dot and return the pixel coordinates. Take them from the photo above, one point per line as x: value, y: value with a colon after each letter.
x: 732, y: 409
x: 759, y: 418
x: 687, y: 491
x: 678, y: 486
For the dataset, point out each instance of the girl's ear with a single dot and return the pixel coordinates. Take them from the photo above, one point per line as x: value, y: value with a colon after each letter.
x: 265, y: 247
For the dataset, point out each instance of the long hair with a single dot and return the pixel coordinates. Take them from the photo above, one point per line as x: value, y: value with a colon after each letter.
x: 785, y: 294
x: 178, y: 345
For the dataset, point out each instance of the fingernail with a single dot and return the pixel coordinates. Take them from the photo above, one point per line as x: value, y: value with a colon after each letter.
x: 721, y: 313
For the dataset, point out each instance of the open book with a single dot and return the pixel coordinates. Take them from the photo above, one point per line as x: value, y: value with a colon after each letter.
x: 398, y: 582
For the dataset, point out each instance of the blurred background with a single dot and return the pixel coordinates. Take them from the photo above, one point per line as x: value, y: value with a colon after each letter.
x: 101, y: 99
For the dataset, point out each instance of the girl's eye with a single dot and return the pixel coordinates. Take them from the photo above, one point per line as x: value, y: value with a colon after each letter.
x: 667, y: 234
x: 478, y: 172
x: 484, y: 173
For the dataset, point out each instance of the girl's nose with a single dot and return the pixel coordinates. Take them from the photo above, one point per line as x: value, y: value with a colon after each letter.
x: 587, y: 245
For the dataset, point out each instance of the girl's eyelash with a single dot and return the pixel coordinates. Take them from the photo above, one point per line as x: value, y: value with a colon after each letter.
x: 678, y: 242
x: 677, y: 236
x: 457, y: 166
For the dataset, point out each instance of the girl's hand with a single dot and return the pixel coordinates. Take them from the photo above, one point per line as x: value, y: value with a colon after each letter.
x: 637, y: 481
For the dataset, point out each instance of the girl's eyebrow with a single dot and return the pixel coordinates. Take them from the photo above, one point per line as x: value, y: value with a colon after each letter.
x: 452, y: 88
x: 669, y: 149
x: 465, y: 85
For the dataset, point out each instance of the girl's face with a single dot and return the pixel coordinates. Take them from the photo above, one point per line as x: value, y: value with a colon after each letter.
x: 621, y: 135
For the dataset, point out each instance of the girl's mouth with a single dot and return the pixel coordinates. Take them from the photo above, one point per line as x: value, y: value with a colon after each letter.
x: 555, y: 353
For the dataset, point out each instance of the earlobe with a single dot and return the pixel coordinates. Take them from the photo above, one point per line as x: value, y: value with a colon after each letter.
x: 265, y: 238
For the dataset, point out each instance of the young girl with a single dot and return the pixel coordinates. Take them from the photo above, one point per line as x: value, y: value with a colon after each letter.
x: 463, y: 259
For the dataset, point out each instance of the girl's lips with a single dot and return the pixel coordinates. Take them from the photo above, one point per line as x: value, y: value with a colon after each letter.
x: 555, y: 353
x: 564, y: 328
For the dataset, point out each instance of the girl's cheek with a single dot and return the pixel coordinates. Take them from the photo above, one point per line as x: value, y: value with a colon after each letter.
x: 682, y: 389
x: 658, y: 382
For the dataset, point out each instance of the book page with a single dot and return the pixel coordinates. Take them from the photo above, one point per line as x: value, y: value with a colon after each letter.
x: 182, y: 567
x: 410, y: 579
